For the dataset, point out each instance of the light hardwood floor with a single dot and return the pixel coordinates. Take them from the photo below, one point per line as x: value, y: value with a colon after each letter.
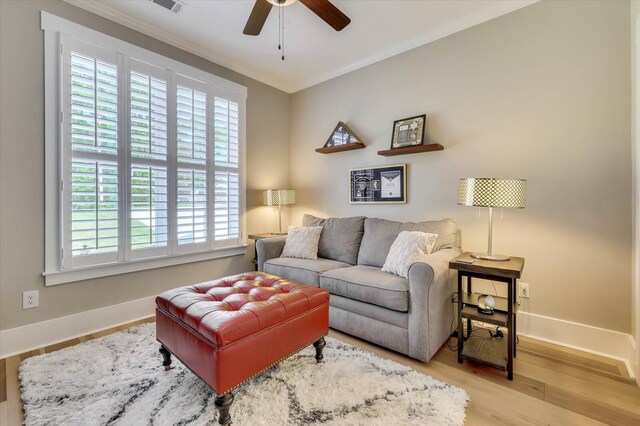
x: 552, y: 385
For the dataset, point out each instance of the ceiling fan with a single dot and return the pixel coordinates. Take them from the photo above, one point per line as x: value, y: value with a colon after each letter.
x: 323, y: 8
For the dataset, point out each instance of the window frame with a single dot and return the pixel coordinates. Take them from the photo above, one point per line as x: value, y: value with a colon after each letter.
x: 59, y: 34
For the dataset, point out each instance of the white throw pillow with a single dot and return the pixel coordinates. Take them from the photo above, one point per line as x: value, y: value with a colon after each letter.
x: 302, y: 242
x: 408, y: 248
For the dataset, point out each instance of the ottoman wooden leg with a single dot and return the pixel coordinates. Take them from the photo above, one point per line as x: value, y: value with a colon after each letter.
x: 223, y: 404
x: 319, y: 345
x: 166, y: 357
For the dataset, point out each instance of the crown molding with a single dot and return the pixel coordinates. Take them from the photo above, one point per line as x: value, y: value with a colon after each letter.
x: 102, y: 9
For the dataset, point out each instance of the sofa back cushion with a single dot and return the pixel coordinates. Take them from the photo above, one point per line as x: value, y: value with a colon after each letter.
x: 379, y: 235
x: 340, y: 238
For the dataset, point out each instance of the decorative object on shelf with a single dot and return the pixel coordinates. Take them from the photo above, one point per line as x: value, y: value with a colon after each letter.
x: 486, y: 304
x: 492, y: 192
x: 342, y: 139
x: 279, y: 197
x: 382, y: 184
x: 408, y: 132
x: 341, y: 135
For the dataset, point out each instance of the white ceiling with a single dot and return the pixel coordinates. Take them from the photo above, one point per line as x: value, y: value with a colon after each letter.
x: 314, y: 51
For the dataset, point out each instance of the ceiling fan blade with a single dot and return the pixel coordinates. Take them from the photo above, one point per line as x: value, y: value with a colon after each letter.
x: 258, y: 17
x: 328, y: 13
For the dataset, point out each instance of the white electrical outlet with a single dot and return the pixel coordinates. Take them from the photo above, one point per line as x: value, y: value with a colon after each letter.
x: 30, y: 299
x: 524, y: 290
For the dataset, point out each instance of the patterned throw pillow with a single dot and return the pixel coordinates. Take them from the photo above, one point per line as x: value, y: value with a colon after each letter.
x: 302, y: 242
x: 408, y: 248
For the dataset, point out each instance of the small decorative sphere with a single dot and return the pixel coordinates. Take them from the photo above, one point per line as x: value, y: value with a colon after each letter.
x: 489, y: 301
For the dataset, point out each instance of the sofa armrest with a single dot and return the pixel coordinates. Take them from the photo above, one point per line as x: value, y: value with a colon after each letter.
x: 269, y: 248
x: 430, y: 307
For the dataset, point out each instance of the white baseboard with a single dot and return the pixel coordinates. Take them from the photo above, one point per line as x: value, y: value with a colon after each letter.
x: 600, y: 341
x: 18, y: 340
x: 595, y: 340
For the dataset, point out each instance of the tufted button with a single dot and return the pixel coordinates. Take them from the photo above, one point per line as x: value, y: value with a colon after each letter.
x: 231, y: 308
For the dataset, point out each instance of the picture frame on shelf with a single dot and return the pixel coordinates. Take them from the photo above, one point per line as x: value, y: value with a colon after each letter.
x: 378, y: 185
x: 408, y: 131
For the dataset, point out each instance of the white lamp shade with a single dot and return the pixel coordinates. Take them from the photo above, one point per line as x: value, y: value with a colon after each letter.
x: 279, y: 197
x: 492, y: 192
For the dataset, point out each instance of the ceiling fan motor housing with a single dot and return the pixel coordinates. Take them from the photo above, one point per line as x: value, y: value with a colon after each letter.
x: 324, y: 9
x: 282, y: 3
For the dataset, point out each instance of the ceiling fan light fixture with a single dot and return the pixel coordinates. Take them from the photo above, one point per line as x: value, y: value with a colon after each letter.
x: 282, y: 3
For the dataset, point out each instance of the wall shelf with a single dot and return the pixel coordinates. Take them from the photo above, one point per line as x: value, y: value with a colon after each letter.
x: 411, y: 149
x: 339, y: 148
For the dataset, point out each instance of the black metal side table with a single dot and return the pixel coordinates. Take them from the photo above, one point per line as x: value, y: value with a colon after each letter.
x: 495, y: 352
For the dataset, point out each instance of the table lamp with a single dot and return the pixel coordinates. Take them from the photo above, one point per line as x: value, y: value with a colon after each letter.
x: 279, y: 197
x: 492, y: 192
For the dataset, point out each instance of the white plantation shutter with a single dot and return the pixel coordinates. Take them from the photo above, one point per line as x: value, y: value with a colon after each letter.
x: 192, y: 126
x: 149, y: 207
x: 226, y: 113
x: 227, y: 131
x: 148, y: 118
x: 227, y: 206
x: 149, y: 162
x: 94, y: 207
x: 192, y: 215
x: 94, y: 104
x: 192, y: 206
x: 149, y: 166
x: 91, y: 164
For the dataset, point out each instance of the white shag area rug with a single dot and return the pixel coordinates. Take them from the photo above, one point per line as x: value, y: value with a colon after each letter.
x: 119, y: 380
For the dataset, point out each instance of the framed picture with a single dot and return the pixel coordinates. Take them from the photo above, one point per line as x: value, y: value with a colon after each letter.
x: 408, y: 131
x: 381, y: 184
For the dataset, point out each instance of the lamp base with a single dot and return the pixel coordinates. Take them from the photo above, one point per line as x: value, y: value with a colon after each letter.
x: 493, y: 257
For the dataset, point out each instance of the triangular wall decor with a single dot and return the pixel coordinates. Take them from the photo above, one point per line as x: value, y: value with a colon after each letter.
x: 341, y: 139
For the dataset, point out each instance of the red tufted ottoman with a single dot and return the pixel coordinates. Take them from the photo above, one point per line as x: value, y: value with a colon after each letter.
x: 229, y: 330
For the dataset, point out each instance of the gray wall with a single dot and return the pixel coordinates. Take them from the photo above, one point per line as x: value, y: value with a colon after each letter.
x: 542, y: 93
x: 22, y: 170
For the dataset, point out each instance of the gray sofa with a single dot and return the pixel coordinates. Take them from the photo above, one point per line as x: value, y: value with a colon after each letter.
x: 413, y: 316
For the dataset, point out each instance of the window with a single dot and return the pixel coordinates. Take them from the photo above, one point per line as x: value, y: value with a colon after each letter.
x: 144, y: 158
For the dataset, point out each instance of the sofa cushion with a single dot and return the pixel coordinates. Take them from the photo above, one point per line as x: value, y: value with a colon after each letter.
x: 304, y: 271
x: 408, y: 248
x: 302, y: 242
x: 379, y: 235
x: 340, y: 238
x: 368, y: 284
x: 369, y: 310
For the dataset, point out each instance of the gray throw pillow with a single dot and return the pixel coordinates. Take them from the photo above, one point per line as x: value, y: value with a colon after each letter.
x: 340, y: 238
x: 379, y: 235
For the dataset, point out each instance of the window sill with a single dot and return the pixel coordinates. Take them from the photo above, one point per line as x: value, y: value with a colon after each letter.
x: 80, y: 274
